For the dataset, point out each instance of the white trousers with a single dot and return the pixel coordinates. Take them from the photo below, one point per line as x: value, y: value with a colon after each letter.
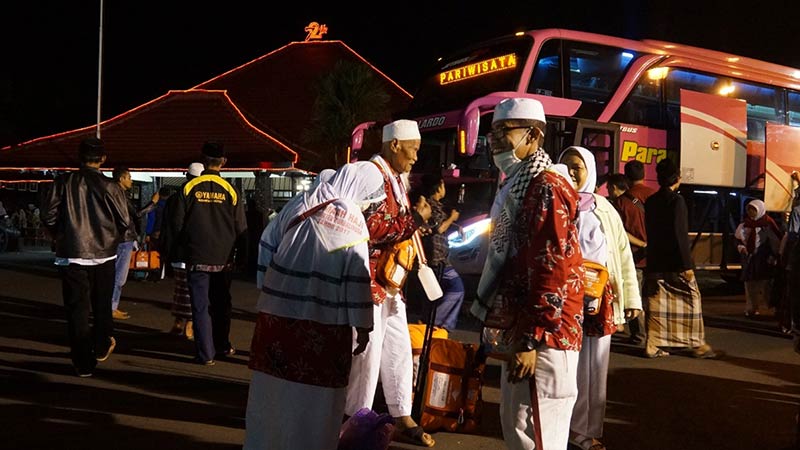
x: 590, y: 407
x: 556, y: 389
x: 388, y: 356
x: 286, y: 414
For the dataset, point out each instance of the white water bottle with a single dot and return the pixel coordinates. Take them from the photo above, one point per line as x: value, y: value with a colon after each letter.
x: 430, y: 284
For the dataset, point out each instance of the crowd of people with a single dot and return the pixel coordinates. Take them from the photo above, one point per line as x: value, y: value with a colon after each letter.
x: 576, y: 268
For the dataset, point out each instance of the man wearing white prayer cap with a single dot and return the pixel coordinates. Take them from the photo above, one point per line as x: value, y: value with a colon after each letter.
x: 195, y: 169
x: 388, y: 354
x: 172, y: 252
x: 533, y: 209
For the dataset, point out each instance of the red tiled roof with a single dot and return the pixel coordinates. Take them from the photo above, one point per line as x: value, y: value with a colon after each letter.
x: 275, y: 91
x: 165, y: 133
x: 260, y: 110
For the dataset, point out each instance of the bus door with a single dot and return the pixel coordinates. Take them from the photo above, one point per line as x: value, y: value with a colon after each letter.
x: 602, y: 139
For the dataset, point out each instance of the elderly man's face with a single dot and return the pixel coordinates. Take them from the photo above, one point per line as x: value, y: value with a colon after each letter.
x: 404, y: 155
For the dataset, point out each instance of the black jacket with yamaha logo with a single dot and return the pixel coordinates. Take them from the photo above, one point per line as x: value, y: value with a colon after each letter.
x: 208, y: 218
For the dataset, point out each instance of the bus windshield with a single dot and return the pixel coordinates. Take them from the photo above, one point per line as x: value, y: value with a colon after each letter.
x: 471, y: 74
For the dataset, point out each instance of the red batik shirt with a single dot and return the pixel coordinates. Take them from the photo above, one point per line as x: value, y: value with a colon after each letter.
x: 545, y: 273
x: 386, y: 226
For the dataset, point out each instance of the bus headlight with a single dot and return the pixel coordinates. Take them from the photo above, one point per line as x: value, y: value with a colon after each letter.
x: 470, y: 233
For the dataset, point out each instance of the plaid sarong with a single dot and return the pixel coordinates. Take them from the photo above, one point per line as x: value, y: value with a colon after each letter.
x: 181, y: 304
x: 674, y: 310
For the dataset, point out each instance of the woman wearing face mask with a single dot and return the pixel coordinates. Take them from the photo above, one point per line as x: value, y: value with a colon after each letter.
x: 602, y: 240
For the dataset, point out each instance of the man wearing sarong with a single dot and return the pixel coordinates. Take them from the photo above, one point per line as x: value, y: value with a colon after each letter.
x: 313, y: 273
x: 673, y: 307
x: 388, y: 355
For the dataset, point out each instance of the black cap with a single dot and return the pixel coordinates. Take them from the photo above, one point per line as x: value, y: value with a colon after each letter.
x: 213, y: 149
x: 92, y: 147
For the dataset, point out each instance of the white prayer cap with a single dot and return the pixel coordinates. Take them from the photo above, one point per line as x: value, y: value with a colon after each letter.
x: 402, y: 130
x: 195, y: 169
x: 519, y: 108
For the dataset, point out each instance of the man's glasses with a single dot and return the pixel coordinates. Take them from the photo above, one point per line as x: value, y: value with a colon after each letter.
x: 498, y: 133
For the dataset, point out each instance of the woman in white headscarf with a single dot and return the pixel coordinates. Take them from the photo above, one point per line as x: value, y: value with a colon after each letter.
x: 315, y: 288
x: 759, y: 238
x: 602, y: 240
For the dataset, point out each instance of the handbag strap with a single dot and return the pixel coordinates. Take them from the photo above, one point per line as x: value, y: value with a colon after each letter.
x: 418, y: 247
x: 310, y: 212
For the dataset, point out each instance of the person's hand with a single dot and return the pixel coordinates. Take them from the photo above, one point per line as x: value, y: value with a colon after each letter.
x: 742, y: 250
x: 362, y: 339
x: 454, y: 215
x: 155, y: 198
x: 521, y: 365
x: 631, y: 313
x: 689, y: 274
x: 135, y: 245
x: 423, y: 208
x: 796, y: 176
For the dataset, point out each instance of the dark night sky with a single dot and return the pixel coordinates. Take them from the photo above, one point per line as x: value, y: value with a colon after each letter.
x: 48, y: 74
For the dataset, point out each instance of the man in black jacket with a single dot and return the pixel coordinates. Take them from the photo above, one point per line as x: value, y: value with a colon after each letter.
x: 87, y: 215
x: 209, y: 215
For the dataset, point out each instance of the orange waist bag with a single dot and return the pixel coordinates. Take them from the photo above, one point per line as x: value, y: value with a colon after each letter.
x: 145, y: 260
x: 453, y: 399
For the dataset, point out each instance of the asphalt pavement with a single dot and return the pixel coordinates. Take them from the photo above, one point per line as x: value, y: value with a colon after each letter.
x: 150, y: 394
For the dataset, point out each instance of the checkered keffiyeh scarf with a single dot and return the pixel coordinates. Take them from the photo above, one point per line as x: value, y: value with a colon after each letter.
x: 500, y: 243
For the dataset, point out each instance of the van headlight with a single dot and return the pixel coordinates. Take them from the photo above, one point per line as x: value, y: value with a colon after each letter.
x: 470, y: 233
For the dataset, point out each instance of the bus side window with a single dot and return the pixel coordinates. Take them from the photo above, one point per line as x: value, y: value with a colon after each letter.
x: 643, y: 105
x: 794, y: 108
x: 546, y: 78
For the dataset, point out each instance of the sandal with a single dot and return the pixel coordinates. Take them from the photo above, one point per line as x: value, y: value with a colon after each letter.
x: 414, y: 435
x: 708, y: 354
x: 597, y: 446
x: 657, y: 354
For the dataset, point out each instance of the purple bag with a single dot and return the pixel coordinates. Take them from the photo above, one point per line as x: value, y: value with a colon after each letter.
x: 366, y: 430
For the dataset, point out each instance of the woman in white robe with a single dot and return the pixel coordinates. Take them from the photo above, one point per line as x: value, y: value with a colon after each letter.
x: 603, y: 240
x: 315, y: 288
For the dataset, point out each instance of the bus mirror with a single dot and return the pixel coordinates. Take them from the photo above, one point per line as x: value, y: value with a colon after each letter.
x: 357, y: 137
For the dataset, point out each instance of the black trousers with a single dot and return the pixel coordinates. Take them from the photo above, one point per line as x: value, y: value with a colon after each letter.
x: 211, y: 312
x: 85, y: 289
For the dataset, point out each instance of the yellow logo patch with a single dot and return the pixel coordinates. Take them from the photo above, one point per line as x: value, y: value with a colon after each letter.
x: 210, y: 197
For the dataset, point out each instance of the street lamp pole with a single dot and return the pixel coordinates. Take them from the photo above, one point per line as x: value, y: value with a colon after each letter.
x: 100, y: 71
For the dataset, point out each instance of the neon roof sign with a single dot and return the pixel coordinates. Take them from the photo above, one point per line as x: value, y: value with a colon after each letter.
x: 478, y: 69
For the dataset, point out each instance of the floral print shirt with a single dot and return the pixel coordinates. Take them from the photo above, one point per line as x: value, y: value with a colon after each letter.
x: 544, y: 272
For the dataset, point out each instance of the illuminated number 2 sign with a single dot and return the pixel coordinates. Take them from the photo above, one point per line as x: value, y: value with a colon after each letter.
x: 315, y: 30
x: 478, y: 69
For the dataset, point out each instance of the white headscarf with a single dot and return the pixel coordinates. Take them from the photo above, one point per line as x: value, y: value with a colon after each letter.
x: 760, y: 207
x: 591, y: 168
x: 590, y: 232
x: 318, y: 268
x: 360, y: 182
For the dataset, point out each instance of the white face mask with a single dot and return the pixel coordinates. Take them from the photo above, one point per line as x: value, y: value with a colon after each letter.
x: 506, y: 161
